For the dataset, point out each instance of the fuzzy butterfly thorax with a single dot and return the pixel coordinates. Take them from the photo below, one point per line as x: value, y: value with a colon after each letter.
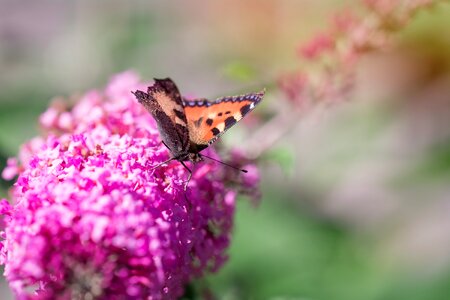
x: 189, y: 126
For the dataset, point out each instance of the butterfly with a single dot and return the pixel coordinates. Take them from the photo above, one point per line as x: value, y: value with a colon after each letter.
x: 189, y: 126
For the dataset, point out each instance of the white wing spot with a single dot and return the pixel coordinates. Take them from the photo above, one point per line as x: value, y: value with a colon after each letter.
x: 221, y: 126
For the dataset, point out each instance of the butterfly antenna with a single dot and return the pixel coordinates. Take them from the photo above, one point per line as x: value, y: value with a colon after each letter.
x: 224, y: 163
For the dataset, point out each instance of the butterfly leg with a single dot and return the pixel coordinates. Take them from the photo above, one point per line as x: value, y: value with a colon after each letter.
x: 189, y: 177
x: 164, y: 162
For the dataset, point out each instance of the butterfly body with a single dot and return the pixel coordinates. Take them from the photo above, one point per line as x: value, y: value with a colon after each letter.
x: 189, y: 126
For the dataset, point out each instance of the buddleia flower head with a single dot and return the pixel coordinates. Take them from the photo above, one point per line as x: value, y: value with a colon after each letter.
x: 89, y: 217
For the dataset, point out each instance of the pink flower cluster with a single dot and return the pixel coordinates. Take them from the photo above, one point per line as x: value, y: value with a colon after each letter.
x: 89, y: 217
x: 335, y: 51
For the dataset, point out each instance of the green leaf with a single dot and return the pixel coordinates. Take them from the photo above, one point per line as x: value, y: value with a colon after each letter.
x: 284, y: 157
x: 239, y: 71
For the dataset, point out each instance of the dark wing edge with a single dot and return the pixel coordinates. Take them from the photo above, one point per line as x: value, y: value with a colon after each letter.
x: 205, y: 102
x: 196, y: 102
x: 171, y: 132
x: 255, y: 98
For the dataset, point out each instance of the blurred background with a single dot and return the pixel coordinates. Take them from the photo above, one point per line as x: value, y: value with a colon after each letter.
x: 355, y: 194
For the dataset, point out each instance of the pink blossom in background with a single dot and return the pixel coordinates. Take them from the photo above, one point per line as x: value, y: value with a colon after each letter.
x: 11, y: 169
x: 89, y: 217
x: 348, y: 37
x: 317, y: 46
x: 294, y: 86
x: 382, y: 7
x: 343, y: 22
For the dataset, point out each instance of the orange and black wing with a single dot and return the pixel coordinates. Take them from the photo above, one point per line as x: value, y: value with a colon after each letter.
x: 207, y: 121
x: 163, y: 101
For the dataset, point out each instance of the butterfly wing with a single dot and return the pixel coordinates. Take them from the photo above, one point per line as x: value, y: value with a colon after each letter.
x: 163, y: 101
x: 207, y: 121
